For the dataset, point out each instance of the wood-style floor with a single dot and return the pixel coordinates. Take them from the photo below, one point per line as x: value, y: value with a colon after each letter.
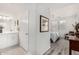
x: 61, y: 47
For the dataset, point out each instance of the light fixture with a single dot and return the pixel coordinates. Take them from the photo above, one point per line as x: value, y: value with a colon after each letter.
x: 62, y: 21
x: 5, y: 17
x: 8, y: 18
x: 0, y: 17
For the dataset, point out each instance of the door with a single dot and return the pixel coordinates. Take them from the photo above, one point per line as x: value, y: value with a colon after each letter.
x: 23, y: 32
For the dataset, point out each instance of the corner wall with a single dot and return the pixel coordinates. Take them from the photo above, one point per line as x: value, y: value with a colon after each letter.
x: 39, y: 43
x: 43, y: 38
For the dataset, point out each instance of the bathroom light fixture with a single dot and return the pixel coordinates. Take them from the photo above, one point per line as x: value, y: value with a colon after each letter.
x: 5, y: 17
x: 0, y: 17
x: 8, y: 18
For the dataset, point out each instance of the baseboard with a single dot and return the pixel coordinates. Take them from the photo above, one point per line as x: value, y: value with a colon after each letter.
x: 47, y: 52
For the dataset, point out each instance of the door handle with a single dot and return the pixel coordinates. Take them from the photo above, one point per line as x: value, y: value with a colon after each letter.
x: 26, y: 33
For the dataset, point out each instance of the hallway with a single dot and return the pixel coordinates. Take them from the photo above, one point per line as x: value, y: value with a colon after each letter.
x: 31, y: 26
x: 61, y: 47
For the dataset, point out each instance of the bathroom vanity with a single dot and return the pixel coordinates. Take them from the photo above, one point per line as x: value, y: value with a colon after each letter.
x: 8, y: 31
x: 8, y: 39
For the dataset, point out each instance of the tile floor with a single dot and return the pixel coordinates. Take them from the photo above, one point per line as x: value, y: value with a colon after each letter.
x: 17, y: 50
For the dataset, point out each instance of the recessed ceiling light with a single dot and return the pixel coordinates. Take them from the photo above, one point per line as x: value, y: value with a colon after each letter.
x: 62, y: 21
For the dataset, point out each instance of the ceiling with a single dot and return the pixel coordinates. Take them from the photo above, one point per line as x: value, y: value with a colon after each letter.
x: 12, y: 9
x: 19, y: 9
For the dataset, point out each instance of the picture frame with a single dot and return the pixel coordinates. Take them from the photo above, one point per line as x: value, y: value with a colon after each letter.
x: 44, y: 24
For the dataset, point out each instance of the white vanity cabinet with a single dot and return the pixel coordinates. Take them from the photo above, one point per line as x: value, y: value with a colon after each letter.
x: 8, y: 39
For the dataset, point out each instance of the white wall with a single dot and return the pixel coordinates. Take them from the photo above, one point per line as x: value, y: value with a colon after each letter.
x: 43, y: 38
x: 38, y: 42
x: 32, y: 28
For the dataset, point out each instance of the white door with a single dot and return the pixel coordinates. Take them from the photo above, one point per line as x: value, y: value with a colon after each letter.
x: 23, y: 32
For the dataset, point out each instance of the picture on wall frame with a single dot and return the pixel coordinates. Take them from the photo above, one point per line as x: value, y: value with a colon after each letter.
x: 44, y: 24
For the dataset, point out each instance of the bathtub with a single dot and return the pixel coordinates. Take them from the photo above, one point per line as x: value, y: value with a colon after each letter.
x: 8, y: 39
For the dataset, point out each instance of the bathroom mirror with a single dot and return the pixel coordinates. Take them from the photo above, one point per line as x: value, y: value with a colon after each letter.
x: 1, y: 28
x: 8, y: 24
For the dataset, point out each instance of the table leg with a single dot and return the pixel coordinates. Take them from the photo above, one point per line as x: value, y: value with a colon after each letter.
x: 70, y: 51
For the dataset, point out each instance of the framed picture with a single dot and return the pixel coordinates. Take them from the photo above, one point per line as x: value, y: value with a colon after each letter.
x: 44, y: 24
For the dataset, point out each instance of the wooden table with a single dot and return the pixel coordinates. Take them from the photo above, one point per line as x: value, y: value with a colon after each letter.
x: 73, y: 45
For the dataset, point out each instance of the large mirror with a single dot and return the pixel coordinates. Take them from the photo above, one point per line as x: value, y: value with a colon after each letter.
x: 7, y: 24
